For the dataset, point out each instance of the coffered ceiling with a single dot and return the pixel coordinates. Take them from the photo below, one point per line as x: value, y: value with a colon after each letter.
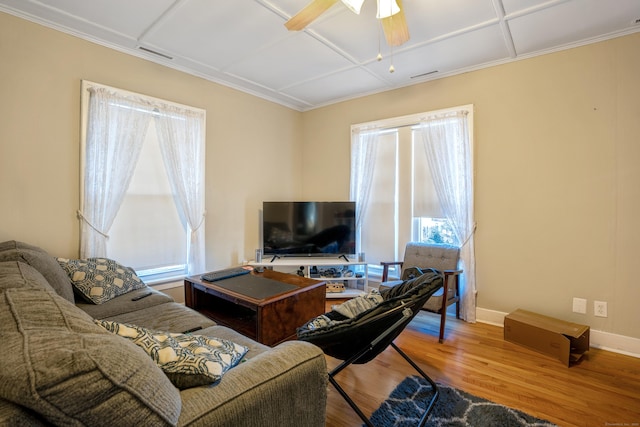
x: 244, y: 44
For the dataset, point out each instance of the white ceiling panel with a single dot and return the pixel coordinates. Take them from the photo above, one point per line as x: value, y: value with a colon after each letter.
x: 569, y: 22
x: 354, y: 35
x: 291, y: 60
x: 522, y: 6
x: 244, y: 44
x: 432, y: 19
x: 342, y: 85
x: 119, y: 16
x: 477, y: 47
x: 135, y: 18
x: 240, y: 30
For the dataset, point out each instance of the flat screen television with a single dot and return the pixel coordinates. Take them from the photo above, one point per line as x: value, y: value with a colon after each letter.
x: 308, y: 229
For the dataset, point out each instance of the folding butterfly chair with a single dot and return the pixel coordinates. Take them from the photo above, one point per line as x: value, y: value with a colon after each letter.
x: 360, y: 339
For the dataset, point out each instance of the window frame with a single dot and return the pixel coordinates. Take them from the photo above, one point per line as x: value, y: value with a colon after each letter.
x: 159, y: 274
x: 396, y: 123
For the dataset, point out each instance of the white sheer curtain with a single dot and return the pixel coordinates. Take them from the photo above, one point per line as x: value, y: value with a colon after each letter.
x: 116, y: 129
x: 450, y: 156
x: 363, y: 156
x: 181, y: 136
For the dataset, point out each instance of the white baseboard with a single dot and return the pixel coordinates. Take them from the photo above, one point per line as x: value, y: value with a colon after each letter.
x: 616, y: 343
x: 598, y: 339
x: 491, y: 317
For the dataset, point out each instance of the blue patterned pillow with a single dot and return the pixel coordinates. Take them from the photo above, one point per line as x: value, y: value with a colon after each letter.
x: 187, y: 360
x: 100, y: 279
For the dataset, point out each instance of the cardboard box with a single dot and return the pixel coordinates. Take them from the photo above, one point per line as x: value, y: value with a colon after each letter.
x: 564, y: 341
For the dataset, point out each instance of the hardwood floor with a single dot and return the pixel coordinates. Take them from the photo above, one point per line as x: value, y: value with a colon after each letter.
x: 602, y: 390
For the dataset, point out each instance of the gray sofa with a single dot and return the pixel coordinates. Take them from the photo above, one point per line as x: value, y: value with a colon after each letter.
x: 60, y: 368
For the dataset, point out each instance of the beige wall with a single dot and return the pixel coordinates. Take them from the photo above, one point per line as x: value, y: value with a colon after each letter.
x: 252, y: 145
x: 556, y: 143
x: 557, y: 182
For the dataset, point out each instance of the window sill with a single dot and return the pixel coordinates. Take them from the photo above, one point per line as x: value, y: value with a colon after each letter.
x: 163, y: 281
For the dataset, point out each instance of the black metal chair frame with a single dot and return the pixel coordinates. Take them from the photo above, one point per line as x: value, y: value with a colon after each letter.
x: 407, y: 315
x: 377, y: 329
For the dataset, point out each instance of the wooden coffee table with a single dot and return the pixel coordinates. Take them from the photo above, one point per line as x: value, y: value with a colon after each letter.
x: 266, y: 307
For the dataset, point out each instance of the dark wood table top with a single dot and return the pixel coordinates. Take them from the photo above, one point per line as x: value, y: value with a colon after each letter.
x: 299, y: 283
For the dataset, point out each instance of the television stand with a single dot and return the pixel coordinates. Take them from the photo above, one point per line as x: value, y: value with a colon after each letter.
x: 351, y: 273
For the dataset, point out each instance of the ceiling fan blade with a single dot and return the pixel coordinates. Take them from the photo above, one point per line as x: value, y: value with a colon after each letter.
x: 308, y: 14
x: 395, y: 27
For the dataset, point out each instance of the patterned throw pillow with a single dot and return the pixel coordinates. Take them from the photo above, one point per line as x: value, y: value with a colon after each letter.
x: 100, y: 279
x: 187, y: 360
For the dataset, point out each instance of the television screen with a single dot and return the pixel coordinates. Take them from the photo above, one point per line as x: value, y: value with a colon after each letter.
x: 308, y: 228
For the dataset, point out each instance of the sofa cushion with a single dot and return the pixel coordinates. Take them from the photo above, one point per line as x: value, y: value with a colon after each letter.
x: 187, y: 360
x: 124, y: 303
x: 171, y: 317
x: 39, y: 259
x: 100, y: 279
x: 16, y: 415
x: 59, y: 363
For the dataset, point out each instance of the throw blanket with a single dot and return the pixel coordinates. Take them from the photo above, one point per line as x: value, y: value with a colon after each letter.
x: 347, y: 310
x: 355, y: 306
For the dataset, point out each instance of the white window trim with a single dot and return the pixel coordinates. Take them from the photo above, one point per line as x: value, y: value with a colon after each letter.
x: 412, y: 119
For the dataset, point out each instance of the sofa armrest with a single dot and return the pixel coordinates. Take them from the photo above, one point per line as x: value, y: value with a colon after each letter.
x: 283, y: 386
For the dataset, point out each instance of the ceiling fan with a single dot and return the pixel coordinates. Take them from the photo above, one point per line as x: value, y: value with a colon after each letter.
x: 390, y: 13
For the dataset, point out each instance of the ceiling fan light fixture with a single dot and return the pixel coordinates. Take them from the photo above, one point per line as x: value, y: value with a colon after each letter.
x: 354, y: 5
x: 387, y: 8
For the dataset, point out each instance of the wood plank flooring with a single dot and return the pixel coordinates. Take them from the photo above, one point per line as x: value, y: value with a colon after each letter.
x: 602, y: 390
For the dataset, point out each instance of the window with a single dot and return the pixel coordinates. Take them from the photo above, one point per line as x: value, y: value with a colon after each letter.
x: 434, y: 230
x: 142, y: 183
x: 429, y: 223
x: 402, y: 203
x: 148, y: 215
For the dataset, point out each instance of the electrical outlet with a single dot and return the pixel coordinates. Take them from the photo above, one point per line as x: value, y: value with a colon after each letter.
x: 580, y: 305
x: 600, y: 308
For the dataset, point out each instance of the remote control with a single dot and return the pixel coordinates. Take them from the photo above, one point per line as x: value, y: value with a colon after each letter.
x: 141, y: 296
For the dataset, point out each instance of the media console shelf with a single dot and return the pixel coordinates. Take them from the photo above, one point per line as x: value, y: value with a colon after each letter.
x: 353, y: 274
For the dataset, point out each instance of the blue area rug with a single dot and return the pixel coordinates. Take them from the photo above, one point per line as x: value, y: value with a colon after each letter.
x: 454, y: 408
